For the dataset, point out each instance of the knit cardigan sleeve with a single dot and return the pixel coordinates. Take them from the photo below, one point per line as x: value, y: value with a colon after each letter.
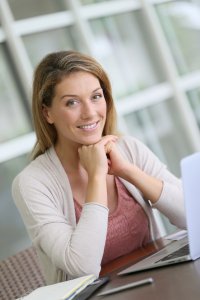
x: 47, y: 210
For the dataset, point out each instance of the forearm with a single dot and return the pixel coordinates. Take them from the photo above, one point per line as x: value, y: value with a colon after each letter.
x: 149, y: 186
x: 161, y: 187
x: 78, y: 251
x: 88, y: 241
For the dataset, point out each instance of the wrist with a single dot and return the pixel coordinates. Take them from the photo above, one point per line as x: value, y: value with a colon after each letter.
x: 97, y: 190
x: 126, y: 171
x: 97, y: 177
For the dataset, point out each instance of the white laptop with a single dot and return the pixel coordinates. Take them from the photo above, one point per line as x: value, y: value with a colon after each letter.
x: 186, y: 248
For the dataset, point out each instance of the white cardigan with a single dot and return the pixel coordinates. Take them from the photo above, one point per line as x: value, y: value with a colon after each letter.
x: 44, y: 198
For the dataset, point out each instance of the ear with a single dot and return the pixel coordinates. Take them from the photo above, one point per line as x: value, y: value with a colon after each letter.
x: 47, y: 114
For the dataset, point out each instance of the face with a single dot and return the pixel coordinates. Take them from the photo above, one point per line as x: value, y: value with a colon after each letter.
x: 78, y: 109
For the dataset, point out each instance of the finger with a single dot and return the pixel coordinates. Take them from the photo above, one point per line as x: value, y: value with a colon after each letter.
x: 107, y: 139
x: 108, y: 147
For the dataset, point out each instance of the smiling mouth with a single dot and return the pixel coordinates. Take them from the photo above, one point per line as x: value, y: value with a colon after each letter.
x: 89, y: 126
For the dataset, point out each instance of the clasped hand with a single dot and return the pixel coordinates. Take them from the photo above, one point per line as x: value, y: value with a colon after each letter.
x: 102, y: 158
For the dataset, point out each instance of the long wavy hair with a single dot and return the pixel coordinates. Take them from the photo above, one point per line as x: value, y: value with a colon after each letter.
x: 52, y: 70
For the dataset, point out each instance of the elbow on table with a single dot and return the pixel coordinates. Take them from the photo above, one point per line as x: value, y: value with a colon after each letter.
x: 82, y: 269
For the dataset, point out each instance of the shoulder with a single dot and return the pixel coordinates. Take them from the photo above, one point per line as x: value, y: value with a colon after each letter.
x: 130, y: 141
x: 133, y: 147
x: 138, y: 153
x: 36, y: 166
x: 38, y: 172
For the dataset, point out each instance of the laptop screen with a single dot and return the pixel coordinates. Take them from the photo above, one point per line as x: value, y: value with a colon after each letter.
x: 190, y: 172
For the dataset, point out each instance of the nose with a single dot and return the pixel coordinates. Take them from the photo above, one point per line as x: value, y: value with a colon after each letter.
x: 87, y: 110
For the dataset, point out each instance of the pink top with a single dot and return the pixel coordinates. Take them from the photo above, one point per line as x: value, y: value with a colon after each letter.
x: 128, y: 226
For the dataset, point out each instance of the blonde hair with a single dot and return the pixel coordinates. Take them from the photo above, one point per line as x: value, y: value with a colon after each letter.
x: 50, y: 71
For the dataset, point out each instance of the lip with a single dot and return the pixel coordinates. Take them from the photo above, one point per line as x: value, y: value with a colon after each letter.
x: 89, y: 127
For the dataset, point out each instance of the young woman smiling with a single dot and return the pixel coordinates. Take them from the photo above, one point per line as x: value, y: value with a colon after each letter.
x: 87, y: 196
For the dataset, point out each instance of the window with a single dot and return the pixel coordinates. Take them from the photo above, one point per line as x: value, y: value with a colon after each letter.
x: 12, y: 231
x: 159, y: 127
x: 13, y: 115
x: 194, y: 100
x: 128, y: 55
x: 155, y: 75
x: 22, y: 9
x: 40, y: 44
x: 180, y: 21
x: 95, y: 1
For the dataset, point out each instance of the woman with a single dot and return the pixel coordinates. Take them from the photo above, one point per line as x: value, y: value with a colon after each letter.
x: 87, y: 196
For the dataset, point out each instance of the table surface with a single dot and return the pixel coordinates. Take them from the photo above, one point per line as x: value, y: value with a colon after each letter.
x: 179, y: 281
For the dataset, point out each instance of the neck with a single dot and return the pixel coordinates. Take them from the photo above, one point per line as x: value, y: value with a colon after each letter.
x: 68, y: 156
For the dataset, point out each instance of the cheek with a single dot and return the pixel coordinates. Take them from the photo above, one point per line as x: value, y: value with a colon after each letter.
x: 68, y: 118
x: 104, y: 108
x: 61, y: 114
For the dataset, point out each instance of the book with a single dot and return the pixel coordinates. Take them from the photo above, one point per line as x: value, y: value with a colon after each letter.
x: 66, y: 290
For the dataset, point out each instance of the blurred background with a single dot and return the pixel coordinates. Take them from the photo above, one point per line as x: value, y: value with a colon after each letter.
x: 149, y: 48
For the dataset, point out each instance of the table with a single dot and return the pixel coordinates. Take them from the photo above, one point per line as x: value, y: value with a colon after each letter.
x: 180, y: 281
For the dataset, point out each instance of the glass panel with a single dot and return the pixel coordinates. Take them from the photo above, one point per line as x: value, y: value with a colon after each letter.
x: 159, y: 127
x: 12, y: 230
x: 13, y: 120
x: 95, y: 1
x: 38, y: 45
x: 124, y: 46
x: 194, y: 100
x: 22, y: 9
x: 181, y: 24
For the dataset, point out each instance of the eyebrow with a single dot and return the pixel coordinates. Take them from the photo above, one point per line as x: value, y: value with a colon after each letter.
x: 73, y: 95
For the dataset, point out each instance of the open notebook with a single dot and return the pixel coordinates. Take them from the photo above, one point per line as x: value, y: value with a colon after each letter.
x: 66, y: 290
x: 185, y: 248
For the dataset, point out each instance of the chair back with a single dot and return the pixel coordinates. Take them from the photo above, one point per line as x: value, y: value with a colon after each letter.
x: 20, y: 274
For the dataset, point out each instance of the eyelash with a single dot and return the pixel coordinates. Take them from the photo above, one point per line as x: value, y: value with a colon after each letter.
x: 72, y: 101
x: 97, y: 95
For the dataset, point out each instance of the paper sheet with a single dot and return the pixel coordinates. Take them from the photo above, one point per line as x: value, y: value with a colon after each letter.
x: 61, y: 290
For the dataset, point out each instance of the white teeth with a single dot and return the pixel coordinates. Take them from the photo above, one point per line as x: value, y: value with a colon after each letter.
x: 88, y: 126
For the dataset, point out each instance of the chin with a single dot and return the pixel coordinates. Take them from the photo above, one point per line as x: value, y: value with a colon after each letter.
x: 91, y: 141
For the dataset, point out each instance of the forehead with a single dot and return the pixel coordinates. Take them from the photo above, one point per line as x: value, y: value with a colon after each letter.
x: 76, y: 81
